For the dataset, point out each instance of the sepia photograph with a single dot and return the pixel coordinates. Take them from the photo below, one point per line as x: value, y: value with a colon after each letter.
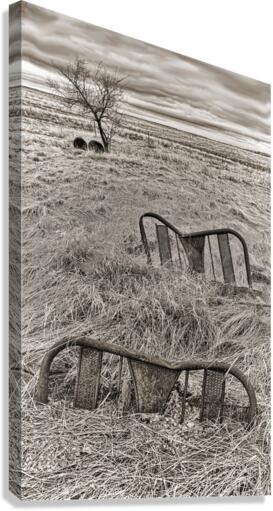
x: 139, y: 268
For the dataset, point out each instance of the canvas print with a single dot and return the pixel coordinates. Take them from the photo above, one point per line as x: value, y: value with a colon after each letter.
x: 139, y: 268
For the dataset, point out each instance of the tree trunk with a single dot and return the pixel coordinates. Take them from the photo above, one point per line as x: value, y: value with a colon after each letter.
x: 103, y: 137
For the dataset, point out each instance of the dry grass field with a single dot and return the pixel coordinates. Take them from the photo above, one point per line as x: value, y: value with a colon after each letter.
x: 84, y: 273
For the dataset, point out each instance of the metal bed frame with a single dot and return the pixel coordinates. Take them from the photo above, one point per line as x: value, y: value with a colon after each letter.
x: 153, y: 380
x: 192, y: 245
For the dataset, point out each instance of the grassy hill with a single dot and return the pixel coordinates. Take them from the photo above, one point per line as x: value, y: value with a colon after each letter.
x: 83, y: 273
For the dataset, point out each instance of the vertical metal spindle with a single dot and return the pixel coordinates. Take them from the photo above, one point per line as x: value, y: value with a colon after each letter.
x: 222, y: 400
x: 184, y: 396
x: 211, y: 258
x: 120, y: 374
x: 178, y: 250
x: 203, y: 394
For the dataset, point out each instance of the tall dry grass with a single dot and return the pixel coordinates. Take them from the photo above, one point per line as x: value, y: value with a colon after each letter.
x: 81, y: 277
x: 104, y: 454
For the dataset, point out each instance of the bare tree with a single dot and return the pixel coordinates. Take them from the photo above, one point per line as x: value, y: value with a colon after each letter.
x: 99, y: 94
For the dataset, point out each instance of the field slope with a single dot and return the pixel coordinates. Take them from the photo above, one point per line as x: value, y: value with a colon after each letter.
x: 84, y: 273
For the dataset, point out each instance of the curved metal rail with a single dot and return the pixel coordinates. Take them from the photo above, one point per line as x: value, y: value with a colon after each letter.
x: 153, y: 377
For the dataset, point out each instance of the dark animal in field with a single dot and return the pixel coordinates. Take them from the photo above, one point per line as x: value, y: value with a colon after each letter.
x: 96, y: 146
x: 79, y: 143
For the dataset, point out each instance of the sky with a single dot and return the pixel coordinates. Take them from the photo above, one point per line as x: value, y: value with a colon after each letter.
x: 161, y: 86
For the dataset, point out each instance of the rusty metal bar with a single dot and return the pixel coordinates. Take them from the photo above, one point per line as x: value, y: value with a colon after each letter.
x: 88, y: 378
x: 222, y: 399
x: 203, y: 395
x: 164, y: 245
x: 178, y: 250
x: 186, y: 381
x: 211, y: 258
x: 120, y: 373
x: 226, y: 258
